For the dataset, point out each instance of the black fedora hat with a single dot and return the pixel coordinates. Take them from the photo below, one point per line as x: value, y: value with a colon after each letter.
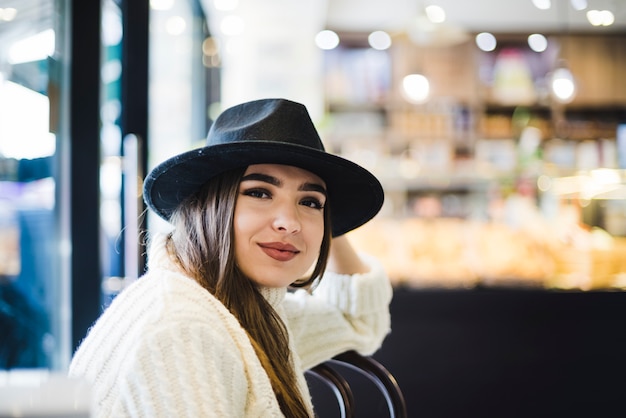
x: 268, y: 131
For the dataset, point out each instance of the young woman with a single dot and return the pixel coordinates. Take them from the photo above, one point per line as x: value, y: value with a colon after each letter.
x: 211, y: 329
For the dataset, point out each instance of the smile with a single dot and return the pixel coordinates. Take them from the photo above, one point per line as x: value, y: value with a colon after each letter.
x: 279, y: 251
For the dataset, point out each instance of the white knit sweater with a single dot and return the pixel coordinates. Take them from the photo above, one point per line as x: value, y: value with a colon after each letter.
x: 166, y: 347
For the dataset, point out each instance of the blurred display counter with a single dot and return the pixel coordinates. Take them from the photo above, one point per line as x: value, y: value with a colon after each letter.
x: 457, y: 253
x: 509, y: 353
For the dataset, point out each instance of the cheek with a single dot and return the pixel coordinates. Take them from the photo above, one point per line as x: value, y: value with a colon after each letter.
x: 314, y: 244
x: 244, y: 220
x: 242, y: 227
x: 315, y: 233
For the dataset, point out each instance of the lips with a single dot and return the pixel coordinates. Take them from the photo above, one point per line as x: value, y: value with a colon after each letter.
x: 279, y: 251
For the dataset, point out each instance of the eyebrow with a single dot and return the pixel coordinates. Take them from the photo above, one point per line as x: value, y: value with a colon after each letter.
x: 305, y: 187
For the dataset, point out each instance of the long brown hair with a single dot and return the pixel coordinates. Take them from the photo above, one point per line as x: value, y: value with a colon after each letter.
x: 203, y: 244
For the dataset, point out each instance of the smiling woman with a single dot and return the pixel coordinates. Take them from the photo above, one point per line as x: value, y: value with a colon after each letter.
x: 263, y: 206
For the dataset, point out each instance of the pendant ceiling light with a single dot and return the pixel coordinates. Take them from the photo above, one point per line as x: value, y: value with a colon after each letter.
x: 415, y: 88
x: 562, y: 83
x: 429, y: 27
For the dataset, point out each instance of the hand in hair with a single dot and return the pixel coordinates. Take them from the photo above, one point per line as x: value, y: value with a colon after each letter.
x: 343, y: 258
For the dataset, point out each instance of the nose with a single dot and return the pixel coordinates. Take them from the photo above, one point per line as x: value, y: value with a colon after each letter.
x: 286, y: 219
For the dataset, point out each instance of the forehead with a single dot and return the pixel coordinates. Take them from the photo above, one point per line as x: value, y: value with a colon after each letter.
x: 285, y: 172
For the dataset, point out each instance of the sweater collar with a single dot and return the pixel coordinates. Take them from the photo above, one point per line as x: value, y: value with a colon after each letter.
x: 274, y: 295
x: 158, y: 258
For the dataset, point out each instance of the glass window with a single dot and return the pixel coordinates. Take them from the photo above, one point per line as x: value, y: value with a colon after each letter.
x: 111, y: 144
x: 33, y: 291
x: 178, y: 100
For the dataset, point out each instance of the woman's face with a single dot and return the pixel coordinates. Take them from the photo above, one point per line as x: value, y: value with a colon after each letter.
x: 279, y: 223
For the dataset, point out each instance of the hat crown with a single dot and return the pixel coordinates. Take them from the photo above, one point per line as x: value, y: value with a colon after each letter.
x: 267, y: 120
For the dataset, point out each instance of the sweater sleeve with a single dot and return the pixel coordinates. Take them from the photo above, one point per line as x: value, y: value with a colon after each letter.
x: 183, y: 371
x: 344, y: 312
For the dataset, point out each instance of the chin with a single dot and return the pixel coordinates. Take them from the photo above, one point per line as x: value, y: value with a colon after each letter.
x: 278, y: 277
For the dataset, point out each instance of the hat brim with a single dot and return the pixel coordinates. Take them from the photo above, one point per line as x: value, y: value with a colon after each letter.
x: 356, y: 196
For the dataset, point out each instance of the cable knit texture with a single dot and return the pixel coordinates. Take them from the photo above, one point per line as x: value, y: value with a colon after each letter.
x: 166, y: 347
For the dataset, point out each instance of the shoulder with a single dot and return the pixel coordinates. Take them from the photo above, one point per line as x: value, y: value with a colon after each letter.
x: 160, y: 303
x: 158, y: 309
x: 161, y: 298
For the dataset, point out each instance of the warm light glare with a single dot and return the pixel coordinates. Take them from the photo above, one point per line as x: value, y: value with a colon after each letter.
x: 542, y: 4
x: 379, y: 40
x: 537, y: 42
x: 435, y: 14
x: 225, y: 5
x: 486, y: 41
x: 33, y: 48
x: 232, y: 25
x: 8, y: 14
x: 579, y: 4
x: 605, y: 176
x: 544, y: 183
x: 588, y: 185
x: 327, y: 39
x: 415, y: 88
x: 210, y: 46
x: 600, y: 17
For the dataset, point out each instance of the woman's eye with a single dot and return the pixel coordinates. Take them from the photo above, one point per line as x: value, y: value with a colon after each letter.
x: 312, y: 203
x: 258, y: 193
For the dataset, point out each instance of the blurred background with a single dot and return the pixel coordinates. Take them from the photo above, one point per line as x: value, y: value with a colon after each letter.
x: 498, y: 130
